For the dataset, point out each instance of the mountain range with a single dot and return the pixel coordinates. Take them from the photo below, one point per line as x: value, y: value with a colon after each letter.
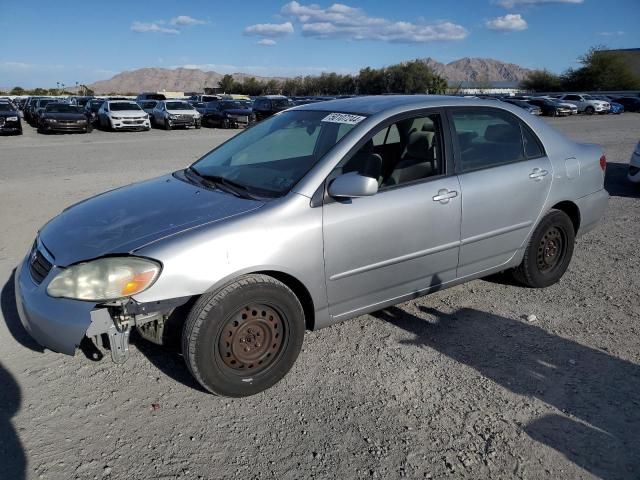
x: 465, y: 71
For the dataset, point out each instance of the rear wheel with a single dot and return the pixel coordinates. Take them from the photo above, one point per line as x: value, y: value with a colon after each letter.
x: 245, y: 337
x: 589, y: 110
x: 549, y: 251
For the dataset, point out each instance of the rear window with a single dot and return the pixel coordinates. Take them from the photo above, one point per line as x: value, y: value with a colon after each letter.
x: 487, y: 138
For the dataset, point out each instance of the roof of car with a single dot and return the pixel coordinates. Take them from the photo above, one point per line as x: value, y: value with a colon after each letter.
x: 371, y: 105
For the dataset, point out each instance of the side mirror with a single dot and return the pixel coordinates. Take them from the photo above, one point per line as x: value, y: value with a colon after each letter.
x: 353, y: 185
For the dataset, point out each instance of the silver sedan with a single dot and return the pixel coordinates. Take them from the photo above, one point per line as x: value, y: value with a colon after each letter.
x: 316, y: 215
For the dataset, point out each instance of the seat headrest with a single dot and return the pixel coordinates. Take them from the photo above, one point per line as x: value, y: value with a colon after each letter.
x: 502, y: 133
x: 420, y: 143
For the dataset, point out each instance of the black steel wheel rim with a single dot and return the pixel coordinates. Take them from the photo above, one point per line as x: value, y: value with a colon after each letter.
x: 551, y: 249
x: 252, y: 339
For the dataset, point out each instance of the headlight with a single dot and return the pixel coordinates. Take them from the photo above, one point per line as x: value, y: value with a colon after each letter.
x: 173, y: 117
x: 116, y: 118
x: 12, y: 119
x: 51, y: 120
x: 105, y: 279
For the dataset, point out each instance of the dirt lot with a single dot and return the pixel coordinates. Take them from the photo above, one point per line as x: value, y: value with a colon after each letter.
x: 455, y: 385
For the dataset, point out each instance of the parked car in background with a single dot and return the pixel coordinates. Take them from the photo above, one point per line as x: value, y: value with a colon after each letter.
x: 203, y: 98
x: 532, y: 109
x: 150, y: 96
x: 227, y: 114
x: 200, y: 107
x: 30, y: 108
x: 122, y: 115
x: 82, y: 101
x: 264, y: 107
x: 550, y: 108
x: 294, y: 224
x: 63, y: 117
x: 571, y: 106
x: 630, y: 104
x: 634, y: 165
x: 586, y: 103
x: 615, y: 107
x: 10, y: 119
x: 148, y: 106
x: 175, y: 113
x: 91, y: 109
x: 39, y: 107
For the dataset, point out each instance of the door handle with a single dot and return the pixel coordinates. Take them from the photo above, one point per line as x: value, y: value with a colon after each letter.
x: 445, y: 195
x: 537, y: 174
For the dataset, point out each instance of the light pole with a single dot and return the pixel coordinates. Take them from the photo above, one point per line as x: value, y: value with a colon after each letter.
x: 58, y: 88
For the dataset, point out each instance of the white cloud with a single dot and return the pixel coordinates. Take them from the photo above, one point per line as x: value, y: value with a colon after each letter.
x: 269, y: 29
x: 508, y: 23
x: 619, y: 33
x: 267, y: 42
x: 186, y: 20
x: 152, y: 27
x: 517, y: 3
x: 343, y: 21
x: 263, y: 70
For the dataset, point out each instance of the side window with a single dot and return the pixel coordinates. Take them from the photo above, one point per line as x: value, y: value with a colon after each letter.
x: 487, y: 138
x: 403, y: 152
x: 532, y: 147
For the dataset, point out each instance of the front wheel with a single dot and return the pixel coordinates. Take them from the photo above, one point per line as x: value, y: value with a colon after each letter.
x: 589, y: 110
x: 244, y: 338
x: 167, y: 124
x: 549, y: 251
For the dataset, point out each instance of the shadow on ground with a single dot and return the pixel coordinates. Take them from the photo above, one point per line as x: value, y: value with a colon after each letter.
x: 616, y: 182
x: 597, y: 395
x: 12, y: 457
x: 11, y: 318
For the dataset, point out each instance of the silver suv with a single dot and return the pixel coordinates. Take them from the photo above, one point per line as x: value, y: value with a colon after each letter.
x: 587, y: 103
x: 318, y: 214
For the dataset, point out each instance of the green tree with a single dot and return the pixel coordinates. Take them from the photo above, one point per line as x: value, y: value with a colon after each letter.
x: 17, y: 91
x: 542, y: 81
x: 226, y: 83
x: 601, y: 70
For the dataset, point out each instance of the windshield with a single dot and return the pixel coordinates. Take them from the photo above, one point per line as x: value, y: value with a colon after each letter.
x: 94, y: 105
x: 82, y: 101
x: 178, y: 106
x: 118, y: 107
x: 281, y: 103
x: 271, y: 157
x: 231, y: 106
x: 61, y: 108
x: 5, y: 107
x: 42, y: 103
x: 150, y: 104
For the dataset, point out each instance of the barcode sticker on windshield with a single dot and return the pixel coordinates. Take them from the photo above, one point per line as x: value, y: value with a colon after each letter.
x: 347, y: 118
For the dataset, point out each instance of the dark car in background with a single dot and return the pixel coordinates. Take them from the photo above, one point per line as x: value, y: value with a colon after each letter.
x: 264, y: 107
x: 91, y: 109
x: 146, y: 96
x: 29, y: 108
x: 82, y: 101
x: 148, y: 106
x: 63, y: 117
x: 630, y: 104
x: 10, y: 119
x: 532, y: 109
x: 550, y: 108
x: 38, y: 108
x: 227, y: 114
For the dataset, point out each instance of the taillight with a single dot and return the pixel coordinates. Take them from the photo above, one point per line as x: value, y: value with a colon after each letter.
x: 603, y: 162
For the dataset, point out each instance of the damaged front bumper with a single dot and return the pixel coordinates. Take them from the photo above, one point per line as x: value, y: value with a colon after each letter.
x: 60, y: 324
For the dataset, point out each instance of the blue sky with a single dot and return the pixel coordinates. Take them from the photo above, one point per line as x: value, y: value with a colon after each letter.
x: 45, y: 42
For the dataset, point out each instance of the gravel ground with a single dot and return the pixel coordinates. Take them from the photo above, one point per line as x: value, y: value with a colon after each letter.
x: 459, y: 384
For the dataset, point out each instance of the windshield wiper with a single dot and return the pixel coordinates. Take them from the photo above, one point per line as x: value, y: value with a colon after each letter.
x: 225, y: 184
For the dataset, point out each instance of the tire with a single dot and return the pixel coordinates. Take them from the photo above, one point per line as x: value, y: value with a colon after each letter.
x: 226, y: 123
x: 548, y: 253
x: 198, y: 126
x: 589, y: 110
x: 167, y: 124
x: 249, y: 311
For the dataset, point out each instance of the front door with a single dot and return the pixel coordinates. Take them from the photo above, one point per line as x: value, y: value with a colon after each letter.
x: 402, y: 240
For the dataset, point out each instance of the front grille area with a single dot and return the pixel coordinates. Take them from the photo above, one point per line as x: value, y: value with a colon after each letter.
x: 39, y: 266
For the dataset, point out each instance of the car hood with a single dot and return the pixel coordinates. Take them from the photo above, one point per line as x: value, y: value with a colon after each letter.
x: 9, y: 114
x: 127, y: 113
x: 64, y: 116
x: 128, y: 218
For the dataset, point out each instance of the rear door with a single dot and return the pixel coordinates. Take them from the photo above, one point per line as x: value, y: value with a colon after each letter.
x: 505, y: 178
